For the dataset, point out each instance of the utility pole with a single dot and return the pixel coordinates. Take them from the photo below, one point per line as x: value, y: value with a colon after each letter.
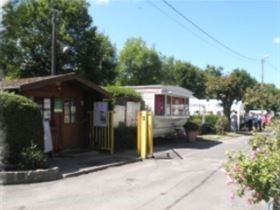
x: 262, y: 66
x: 262, y: 63
x: 53, y: 50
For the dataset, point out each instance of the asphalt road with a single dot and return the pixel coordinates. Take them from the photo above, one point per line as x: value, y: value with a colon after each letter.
x: 192, y: 179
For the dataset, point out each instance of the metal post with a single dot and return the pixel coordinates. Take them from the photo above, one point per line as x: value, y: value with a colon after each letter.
x: 262, y: 63
x: 53, y: 52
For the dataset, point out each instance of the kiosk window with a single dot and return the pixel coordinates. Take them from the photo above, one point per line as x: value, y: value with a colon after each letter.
x: 69, y: 111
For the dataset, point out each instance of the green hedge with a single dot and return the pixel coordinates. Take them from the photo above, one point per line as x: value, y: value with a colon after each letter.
x: 197, y: 119
x: 208, y: 126
x: 21, y: 121
x: 123, y: 94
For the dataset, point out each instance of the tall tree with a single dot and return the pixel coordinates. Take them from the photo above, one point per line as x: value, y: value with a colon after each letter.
x: 229, y: 88
x: 245, y: 81
x: 262, y: 97
x: 185, y: 75
x: 138, y: 64
x: 25, y: 45
x: 168, y: 70
x: 213, y: 71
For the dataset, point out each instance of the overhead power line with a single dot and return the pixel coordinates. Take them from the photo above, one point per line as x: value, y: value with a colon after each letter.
x: 186, y: 28
x: 272, y: 66
x: 206, y: 33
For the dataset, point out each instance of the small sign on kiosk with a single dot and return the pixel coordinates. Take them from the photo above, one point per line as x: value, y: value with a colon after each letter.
x: 100, y: 114
x: 57, y: 105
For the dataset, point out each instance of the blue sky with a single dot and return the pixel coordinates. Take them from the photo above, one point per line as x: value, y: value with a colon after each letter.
x: 251, y: 28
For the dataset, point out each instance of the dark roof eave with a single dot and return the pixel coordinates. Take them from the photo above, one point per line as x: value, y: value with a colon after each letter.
x: 94, y: 87
x: 56, y: 79
x: 42, y: 83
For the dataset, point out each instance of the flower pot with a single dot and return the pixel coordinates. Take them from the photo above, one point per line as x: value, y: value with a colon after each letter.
x: 191, y: 135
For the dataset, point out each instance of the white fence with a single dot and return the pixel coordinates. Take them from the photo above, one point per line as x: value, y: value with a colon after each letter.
x: 126, y: 115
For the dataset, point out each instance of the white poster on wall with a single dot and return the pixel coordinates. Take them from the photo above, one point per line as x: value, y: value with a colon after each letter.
x: 48, y: 145
x: 47, y: 103
x: 100, y: 114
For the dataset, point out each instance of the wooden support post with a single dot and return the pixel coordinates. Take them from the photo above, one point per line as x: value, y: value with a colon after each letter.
x: 111, y: 131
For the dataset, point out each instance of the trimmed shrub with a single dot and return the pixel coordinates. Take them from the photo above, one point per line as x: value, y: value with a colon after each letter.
x: 211, y: 119
x: 197, y: 119
x: 208, y: 126
x: 21, y: 121
x: 191, y: 126
x: 123, y: 94
x: 222, y: 125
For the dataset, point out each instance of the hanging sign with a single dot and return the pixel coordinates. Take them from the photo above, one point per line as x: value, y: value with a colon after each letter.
x: 57, y: 105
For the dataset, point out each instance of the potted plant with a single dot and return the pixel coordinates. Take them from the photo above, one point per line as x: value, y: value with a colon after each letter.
x: 191, y: 130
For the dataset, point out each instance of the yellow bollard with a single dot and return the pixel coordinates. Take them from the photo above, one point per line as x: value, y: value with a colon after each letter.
x: 143, y: 150
x: 150, y: 134
x: 145, y: 135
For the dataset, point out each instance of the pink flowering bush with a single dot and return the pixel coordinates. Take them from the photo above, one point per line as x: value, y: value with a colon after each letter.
x: 257, y: 172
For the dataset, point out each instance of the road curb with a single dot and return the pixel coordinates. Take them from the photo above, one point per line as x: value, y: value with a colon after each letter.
x: 30, y: 176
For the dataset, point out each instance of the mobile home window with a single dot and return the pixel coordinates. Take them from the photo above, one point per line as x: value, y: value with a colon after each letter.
x: 178, y: 106
x: 159, y: 104
x: 168, y: 105
x: 187, y: 106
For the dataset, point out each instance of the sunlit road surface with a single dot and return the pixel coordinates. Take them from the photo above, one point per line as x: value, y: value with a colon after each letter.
x: 192, y: 179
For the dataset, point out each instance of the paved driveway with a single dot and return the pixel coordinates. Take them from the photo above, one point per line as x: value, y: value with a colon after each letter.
x: 181, y: 176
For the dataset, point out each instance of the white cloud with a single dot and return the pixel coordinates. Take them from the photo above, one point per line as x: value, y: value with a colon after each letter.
x: 102, y: 2
x: 276, y: 40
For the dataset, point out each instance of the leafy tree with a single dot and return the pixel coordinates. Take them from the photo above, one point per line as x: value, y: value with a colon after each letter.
x: 264, y: 97
x: 184, y: 74
x: 168, y: 64
x: 255, y: 98
x: 25, y: 45
x: 192, y: 78
x: 138, y: 64
x: 245, y: 81
x: 224, y: 88
x: 213, y: 71
x: 106, y: 70
x: 229, y: 88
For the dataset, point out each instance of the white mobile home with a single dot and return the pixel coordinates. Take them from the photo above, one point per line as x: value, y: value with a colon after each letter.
x: 170, y: 105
